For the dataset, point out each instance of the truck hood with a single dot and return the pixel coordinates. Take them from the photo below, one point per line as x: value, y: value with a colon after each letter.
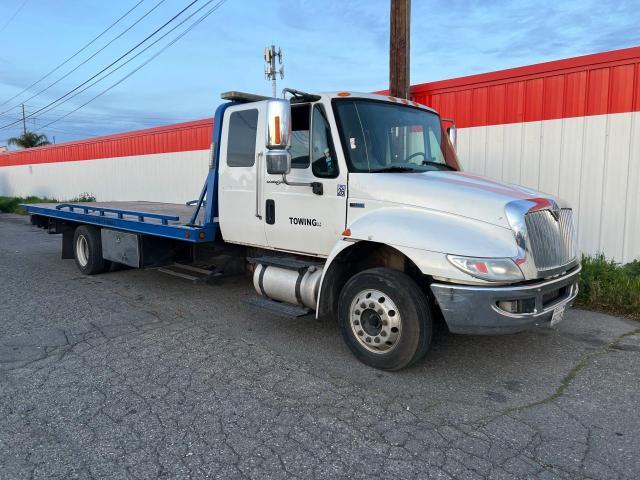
x: 456, y: 193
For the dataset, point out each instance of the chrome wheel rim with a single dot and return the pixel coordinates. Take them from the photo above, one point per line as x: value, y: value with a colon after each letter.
x: 375, y: 321
x: 82, y: 250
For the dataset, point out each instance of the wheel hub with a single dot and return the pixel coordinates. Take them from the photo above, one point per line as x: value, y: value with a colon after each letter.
x: 371, y: 322
x: 82, y: 250
x: 375, y: 321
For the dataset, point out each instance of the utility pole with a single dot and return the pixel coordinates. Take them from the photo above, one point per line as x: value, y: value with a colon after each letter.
x: 270, y: 72
x: 400, y: 32
x: 24, y: 121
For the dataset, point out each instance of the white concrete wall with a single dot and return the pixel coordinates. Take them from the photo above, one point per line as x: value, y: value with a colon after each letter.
x: 592, y: 162
x: 166, y: 177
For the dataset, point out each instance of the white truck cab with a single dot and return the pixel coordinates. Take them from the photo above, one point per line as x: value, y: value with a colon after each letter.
x: 369, y: 189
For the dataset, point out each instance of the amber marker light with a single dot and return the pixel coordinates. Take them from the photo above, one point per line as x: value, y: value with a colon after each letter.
x: 277, y: 122
x: 344, y: 94
x: 347, y: 232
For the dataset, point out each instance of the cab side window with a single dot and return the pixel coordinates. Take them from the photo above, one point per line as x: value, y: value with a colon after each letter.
x: 300, y: 127
x: 241, y: 144
x: 324, y: 163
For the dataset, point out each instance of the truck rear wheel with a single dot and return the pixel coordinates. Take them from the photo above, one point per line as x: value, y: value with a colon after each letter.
x: 87, y: 250
x: 385, y: 318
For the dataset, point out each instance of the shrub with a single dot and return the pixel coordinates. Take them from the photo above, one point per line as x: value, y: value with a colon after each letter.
x: 12, y: 204
x: 609, y: 286
x: 83, y: 197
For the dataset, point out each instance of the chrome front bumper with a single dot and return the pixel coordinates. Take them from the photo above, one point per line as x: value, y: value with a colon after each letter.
x: 474, y: 309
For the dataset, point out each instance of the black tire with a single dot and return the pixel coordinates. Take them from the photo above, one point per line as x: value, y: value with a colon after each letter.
x: 88, y: 259
x: 414, y: 318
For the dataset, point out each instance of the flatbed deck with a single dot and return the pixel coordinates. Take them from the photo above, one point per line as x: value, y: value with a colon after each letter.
x: 169, y: 220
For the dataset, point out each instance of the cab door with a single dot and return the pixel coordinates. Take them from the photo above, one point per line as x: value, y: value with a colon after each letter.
x: 241, y: 174
x: 297, y: 219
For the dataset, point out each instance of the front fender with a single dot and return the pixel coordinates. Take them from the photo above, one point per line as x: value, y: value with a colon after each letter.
x: 424, y: 237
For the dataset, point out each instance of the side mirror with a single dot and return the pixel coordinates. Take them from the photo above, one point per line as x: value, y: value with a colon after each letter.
x: 452, y: 131
x: 278, y: 162
x: 278, y: 124
x: 453, y: 135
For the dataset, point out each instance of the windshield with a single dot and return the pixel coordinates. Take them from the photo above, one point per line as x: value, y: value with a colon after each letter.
x: 381, y: 136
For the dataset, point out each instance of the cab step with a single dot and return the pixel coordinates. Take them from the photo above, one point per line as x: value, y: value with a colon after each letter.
x: 194, y: 273
x: 287, y: 310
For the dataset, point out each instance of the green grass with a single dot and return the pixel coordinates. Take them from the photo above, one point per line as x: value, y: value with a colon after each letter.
x: 12, y: 204
x: 610, y: 287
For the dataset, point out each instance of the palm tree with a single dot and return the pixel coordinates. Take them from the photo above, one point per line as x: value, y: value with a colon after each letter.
x: 29, y: 140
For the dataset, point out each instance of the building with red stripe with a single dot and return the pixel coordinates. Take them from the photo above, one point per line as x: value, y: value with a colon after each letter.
x: 568, y: 127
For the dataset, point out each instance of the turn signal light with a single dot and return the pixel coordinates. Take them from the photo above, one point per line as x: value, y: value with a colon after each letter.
x: 347, y: 232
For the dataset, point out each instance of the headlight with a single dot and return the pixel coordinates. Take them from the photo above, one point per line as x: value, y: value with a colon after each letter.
x: 492, y: 269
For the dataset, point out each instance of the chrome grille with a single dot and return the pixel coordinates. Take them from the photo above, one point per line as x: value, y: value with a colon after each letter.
x: 552, y: 242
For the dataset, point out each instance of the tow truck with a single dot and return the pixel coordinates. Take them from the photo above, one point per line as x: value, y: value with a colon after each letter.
x: 352, y: 205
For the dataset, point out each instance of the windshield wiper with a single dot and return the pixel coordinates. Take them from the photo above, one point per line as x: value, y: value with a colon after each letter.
x: 393, y: 168
x: 438, y: 164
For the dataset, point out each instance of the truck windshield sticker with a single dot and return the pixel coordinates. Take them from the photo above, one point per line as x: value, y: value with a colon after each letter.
x: 352, y: 142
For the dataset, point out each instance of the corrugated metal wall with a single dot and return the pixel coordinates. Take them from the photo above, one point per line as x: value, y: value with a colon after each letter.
x: 570, y: 128
x: 180, y: 137
x: 597, y: 84
x: 165, y: 177
x: 166, y: 164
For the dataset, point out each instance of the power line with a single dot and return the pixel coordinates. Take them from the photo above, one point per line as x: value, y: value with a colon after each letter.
x: 128, y: 60
x: 74, y: 55
x: 13, y: 16
x: 56, y: 129
x: 193, y: 25
x: 110, y: 65
x: 91, y: 56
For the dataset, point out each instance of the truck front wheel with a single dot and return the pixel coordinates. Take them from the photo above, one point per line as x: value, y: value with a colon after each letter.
x: 87, y: 250
x: 385, y: 318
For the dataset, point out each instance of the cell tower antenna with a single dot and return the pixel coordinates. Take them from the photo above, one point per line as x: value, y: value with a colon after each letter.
x: 270, y: 69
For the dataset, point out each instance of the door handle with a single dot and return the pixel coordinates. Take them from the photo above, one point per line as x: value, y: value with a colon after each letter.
x: 270, y: 211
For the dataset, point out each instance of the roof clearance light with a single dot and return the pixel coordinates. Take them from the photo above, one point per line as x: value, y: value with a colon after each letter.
x: 491, y: 269
x: 344, y: 94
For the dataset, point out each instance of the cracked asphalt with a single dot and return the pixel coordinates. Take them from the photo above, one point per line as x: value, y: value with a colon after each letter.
x: 134, y: 374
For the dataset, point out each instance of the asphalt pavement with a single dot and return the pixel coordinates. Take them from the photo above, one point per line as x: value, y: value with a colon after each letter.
x: 135, y: 374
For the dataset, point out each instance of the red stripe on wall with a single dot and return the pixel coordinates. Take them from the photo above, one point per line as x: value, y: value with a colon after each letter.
x: 180, y: 137
x: 597, y: 84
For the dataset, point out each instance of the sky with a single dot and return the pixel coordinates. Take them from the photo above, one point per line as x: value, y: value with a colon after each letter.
x: 327, y: 45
